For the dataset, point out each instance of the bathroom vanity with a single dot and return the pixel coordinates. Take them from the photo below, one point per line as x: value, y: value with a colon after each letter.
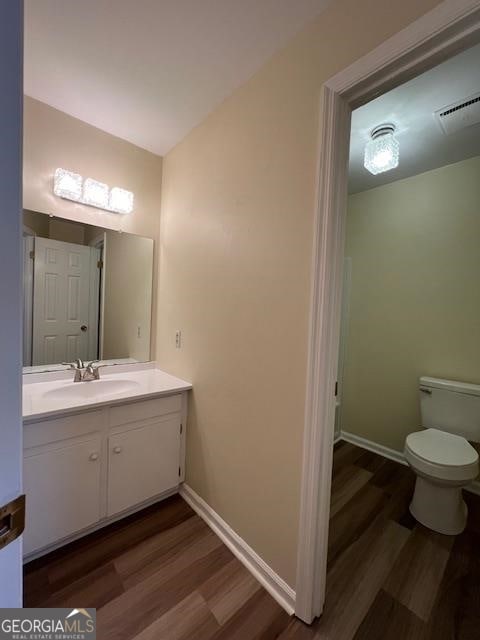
x: 97, y: 451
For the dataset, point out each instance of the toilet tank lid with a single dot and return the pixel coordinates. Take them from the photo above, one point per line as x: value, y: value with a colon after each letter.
x: 450, y: 385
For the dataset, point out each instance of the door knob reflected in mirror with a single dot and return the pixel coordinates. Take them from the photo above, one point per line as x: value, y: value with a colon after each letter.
x: 93, y: 457
x: 117, y: 449
x: 84, y: 328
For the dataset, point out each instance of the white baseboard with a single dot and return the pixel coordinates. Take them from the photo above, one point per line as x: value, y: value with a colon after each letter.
x: 386, y: 452
x: 391, y: 454
x: 266, y: 576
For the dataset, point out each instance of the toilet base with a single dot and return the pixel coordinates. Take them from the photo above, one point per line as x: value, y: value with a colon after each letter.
x: 440, y: 508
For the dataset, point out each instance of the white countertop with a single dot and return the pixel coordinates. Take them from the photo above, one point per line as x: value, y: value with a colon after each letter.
x: 42, y: 400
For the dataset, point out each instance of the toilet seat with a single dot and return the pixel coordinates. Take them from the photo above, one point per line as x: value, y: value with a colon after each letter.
x: 441, y: 455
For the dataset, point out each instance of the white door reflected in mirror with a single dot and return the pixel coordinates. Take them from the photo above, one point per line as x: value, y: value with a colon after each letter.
x: 87, y: 293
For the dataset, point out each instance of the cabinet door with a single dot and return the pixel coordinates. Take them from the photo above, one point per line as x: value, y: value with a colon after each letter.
x: 143, y: 462
x: 62, y: 486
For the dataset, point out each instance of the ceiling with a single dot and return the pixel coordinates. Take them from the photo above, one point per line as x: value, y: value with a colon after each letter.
x: 410, y: 107
x: 148, y: 71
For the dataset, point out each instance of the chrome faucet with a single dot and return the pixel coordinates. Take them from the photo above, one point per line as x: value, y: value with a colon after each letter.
x: 91, y: 372
x: 84, y: 372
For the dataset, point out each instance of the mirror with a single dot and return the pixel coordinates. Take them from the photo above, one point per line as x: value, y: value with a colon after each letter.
x: 87, y: 293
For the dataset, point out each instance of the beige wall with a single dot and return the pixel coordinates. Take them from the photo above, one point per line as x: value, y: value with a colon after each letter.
x: 236, y: 239
x: 415, y: 301
x: 54, y: 139
x: 128, y: 296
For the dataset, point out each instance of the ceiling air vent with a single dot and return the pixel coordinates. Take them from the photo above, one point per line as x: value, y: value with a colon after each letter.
x: 459, y: 115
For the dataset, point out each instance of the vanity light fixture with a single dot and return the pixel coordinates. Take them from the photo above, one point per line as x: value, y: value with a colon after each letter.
x: 67, y: 184
x: 95, y: 193
x: 120, y: 201
x: 72, y: 186
x: 382, y: 151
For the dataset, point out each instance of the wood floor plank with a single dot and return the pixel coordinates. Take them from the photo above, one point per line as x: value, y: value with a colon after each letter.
x: 473, y: 504
x: 388, y: 619
x: 370, y: 461
x: 298, y: 630
x: 36, y: 586
x: 456, y: 613
x: 190, y: 618
x: 177, y: 559
x: 416, y: 577
x: 350, y: 522
x: 147, y: 557
x: 126, y: 616
x: 260, y: 618
x: 344, y: 455
x: 399, y: 498
x: 228, y: 590
x: 136, y: 557
x: 345, y: 485
x: 357, y: 577
x: 73, y: 561
x: 95, y: 589
x: 389, y: 475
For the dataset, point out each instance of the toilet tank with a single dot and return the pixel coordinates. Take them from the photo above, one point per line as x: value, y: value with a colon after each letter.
x: 451, y: 406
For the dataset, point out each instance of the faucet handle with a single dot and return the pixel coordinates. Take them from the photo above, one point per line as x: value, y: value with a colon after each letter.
x: 78, y: 364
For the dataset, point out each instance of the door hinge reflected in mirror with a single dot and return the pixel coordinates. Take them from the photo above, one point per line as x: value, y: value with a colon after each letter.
x: 12, y: 521
x: 32, y: 255
x: 100, y: 264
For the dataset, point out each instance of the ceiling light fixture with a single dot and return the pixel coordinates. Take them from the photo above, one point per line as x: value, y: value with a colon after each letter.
x: 382, y: 151
x: 72, y: 186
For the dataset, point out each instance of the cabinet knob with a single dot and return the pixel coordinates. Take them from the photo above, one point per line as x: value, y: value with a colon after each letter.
x: 117, y: 449
x: 93, y: 456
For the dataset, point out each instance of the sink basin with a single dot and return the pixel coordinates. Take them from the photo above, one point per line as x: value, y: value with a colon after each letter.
x: 93, y: 390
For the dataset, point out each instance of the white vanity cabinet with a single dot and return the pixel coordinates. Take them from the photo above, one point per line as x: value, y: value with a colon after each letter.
x: 85, y: 470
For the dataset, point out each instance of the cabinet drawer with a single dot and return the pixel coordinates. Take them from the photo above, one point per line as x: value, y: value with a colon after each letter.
x: 142, y: 463
x: 137, y: 411
x: 36, y: 434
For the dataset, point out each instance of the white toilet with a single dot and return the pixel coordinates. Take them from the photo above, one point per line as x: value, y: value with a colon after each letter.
x: 441, y: 455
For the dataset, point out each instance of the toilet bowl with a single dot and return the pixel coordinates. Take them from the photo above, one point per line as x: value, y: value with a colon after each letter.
x: 441, y: 455
x: 444, y: 463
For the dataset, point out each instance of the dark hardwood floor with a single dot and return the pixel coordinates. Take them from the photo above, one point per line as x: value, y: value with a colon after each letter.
x: 164, y: 575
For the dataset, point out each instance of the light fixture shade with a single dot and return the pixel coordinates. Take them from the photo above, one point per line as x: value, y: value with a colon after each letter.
x: 382, y: 151
x: 121, y: 200
x: 95, y: 193
x: 67, y: 184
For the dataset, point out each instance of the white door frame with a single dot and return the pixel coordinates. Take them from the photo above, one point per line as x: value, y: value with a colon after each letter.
x: 11, y: 250
x: 452, y: 26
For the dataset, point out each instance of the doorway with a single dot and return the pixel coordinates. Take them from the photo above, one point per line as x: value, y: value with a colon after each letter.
x: 434, y: 38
